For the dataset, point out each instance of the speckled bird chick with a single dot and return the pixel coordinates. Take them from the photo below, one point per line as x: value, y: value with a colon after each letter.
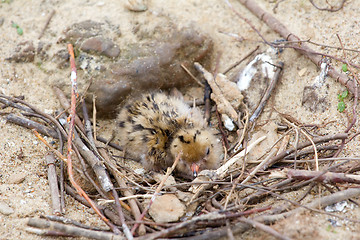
x: 156, y: 127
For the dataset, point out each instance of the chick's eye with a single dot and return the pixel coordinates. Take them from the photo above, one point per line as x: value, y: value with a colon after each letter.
x: 207, y: 151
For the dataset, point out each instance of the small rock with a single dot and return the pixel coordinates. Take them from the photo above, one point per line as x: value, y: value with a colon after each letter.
x: 101, y: 46
x: 16, y: 178
x: 167, y: 208
x: 337, y: 207
x: 6, y: 209
x: 136, y: 5
x: 169, y: 181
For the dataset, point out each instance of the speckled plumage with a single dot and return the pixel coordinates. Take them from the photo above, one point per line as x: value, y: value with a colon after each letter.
x: 156, y: 127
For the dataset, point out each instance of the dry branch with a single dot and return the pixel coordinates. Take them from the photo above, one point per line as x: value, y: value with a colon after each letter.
x: 329, y: 177
x: 71, y: 230
x: 31, y: 125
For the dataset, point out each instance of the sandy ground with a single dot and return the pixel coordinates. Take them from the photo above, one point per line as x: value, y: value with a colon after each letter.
x: 22, y: 155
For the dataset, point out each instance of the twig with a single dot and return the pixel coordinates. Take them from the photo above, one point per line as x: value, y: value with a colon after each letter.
x: 94, y: 115
x: 87, y: 125
x: 329, y: 177
x: 221, y: 171
x: 70, y: 221
x: 207, y: 218
x: 109, y: 213
x: 92, y: 159
x: 331, y: 9
x: 66, y: 105
x: 111, y: 144
x: 124, y: 189
x: 319, y: 202
x: 31, y: 125
x: 69, y: 142
x: 192, y: 76
x: 268, y: 92
x: 305, y: 144
x: 53, y: 183
x: 119, y: 210
x: 72, y: 230
x: 36, y: 110
x: 157, y: 191
x: 47, y: 23
x: 14, y: 104
x: 240, y: 61
x: 207, y: 101
x: 56, y: 152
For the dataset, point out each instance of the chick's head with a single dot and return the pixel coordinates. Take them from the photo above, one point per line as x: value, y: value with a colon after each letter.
x: 199, y: 149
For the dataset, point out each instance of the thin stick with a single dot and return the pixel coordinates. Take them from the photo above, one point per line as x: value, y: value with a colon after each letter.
x: 303, y: 145
x: 47, y: 23
x: 80, y: 191
x: 31, y: 125
x: 72, y: 230
x: 56, y: 152
x: 124, y: 189
x: 240, y: 61
x: 268, y: 92
x: 315, y: 149
x: 221, y: 171
x: 192, y: 76
x: 329, y: 177
x: 69, y: 221
x: 66, y: 105
x: 94, y: 116
x: 53, y: 183
x: 118, y: 208
x: 157, y: 191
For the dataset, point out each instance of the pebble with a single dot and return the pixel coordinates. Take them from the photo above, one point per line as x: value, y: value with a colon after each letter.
x: 101, y: 46
x: 6, y: 209
x: 16, y: 178
x: 167, y: 208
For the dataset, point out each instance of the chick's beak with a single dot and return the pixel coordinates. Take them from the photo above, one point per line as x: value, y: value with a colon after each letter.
x: 195, y: 169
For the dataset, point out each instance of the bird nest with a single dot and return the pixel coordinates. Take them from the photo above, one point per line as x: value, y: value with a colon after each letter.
x: 249, y: 189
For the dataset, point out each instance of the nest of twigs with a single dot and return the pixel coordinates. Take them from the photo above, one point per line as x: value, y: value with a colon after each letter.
x: 239, y: 195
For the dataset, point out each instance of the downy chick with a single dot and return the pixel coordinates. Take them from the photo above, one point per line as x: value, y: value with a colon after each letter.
x: 156, y: 128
